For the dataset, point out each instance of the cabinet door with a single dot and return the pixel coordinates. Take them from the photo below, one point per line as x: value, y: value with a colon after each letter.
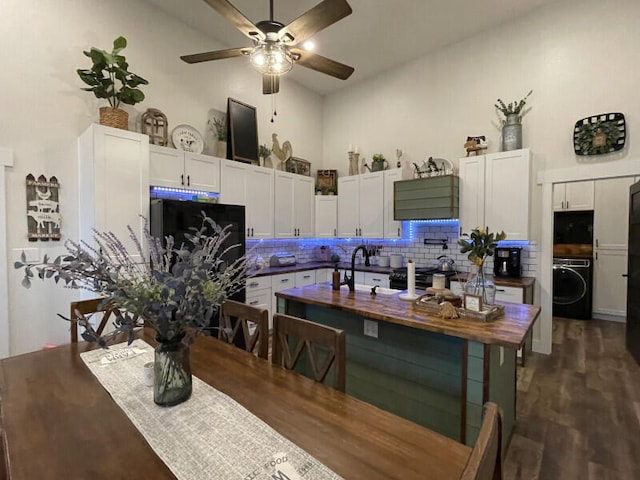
x: 324, y: 275
x: 609, y: 286
x: 371, y: 205
x: 261, y: 299
x: 233, y: 191
x: 611, y: 213
x: 471, y: 193
x: 280, y: 282
x: 579, y: 195
x: 380, y: 279
x: 326, y: 218
x: 202, y: 172
x: 392, y: 228
x: 284, y: 205
x: 509, y: 294
x: 259, y: 184
x: 303, y: 206
x: 113, y: 174
x: 507, y: 178
x: 559, y: 193
x: 166, y: 167
x: 348, y: 207
x: 306, y: 277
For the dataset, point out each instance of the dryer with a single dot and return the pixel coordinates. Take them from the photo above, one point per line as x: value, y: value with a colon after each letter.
x: 572, y: 288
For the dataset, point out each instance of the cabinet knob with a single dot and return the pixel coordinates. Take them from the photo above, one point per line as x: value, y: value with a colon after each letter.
x: 182, y: 179
x: 252, y: 231
x: 188, y: 180
x: 335, y: 232
x: 597, y: 243
x: 625, y: 275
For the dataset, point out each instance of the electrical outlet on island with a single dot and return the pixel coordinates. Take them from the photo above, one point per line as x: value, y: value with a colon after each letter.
x: 371, y: 328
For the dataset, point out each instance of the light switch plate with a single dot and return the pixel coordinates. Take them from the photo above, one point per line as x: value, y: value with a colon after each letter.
x: 371, y: 328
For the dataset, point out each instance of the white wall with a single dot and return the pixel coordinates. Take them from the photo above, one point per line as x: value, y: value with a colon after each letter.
x: 580, y: 57
x: 44, y: 111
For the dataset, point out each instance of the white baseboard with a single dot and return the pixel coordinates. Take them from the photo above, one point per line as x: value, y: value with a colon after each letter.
x: 609, y: 318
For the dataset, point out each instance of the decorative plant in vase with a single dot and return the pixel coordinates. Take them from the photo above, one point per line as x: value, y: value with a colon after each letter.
x: 109, y: 77
x: 263, y: 153
x: 177, y: 293
x: 482, y: 244
x: 512, y: 123
x: 219, y: 127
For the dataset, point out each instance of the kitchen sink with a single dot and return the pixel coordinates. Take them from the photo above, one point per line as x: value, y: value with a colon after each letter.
x: 379, y: 290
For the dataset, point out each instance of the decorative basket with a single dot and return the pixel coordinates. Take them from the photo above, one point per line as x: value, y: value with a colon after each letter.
x: 114, y: 117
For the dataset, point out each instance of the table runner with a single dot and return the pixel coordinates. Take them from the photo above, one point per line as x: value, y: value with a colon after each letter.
x: 210, y: 436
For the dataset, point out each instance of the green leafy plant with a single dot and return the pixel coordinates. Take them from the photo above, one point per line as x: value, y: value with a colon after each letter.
x: 378, y: 157
x: 588, y: 131
x: 514, y: 108
x: 110, y: 78
x: 219, y: 128
x: 264, y: 151
x: 176, y: 293
x: 481, y: 245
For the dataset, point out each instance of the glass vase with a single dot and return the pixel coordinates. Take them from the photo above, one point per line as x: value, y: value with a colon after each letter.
x: 482, y: 286
x: 172, y: 373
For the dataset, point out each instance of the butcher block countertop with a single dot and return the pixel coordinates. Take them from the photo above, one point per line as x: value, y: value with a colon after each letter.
x: 508, y: 331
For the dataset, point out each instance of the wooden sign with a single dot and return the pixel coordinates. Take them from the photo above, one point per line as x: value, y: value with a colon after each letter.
x: 43, y: 210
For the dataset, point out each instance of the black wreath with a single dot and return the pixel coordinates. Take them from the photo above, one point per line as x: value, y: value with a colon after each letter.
x: 587, y: 131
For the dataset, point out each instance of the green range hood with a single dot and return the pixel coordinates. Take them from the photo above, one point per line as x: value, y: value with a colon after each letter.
x: 432, y: 198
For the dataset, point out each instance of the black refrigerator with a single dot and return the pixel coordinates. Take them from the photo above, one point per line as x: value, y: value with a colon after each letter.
x: 633, y: 273
x: 177, y: 217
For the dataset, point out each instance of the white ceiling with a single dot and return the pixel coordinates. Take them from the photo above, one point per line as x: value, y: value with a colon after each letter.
x: 377, y: 36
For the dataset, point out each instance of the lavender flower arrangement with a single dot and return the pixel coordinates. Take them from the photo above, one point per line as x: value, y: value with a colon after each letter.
x: 176, y: 293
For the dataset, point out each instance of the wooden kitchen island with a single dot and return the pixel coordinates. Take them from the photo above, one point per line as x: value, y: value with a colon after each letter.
x: 433, y: 371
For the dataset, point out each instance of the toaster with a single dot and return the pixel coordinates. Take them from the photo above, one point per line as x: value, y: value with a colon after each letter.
x: 282, y: 260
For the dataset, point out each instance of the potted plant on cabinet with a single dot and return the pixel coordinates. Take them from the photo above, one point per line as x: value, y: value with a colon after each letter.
x: 109, y: 77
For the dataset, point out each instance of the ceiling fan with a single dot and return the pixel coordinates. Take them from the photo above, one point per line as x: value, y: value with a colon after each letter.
x: 276, y: 47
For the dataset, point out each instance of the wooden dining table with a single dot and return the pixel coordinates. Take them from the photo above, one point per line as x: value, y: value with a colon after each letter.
x: 57, y: 421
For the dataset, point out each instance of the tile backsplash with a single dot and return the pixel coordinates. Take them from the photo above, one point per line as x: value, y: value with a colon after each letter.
x: 412, y: 246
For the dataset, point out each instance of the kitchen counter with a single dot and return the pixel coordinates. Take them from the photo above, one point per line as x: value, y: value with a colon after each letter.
x: 508, y: 331
x: 432, y: 371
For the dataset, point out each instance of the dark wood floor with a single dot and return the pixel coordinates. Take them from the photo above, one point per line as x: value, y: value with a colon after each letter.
x: 578, y: 412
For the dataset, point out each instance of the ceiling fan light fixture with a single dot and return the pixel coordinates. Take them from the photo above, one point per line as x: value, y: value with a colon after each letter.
x: 271, y: 58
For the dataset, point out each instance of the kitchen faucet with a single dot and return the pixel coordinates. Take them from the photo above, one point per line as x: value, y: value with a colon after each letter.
x: 350, y: 281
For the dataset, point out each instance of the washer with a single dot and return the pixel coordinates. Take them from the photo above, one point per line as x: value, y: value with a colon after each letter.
x: 572, y: 288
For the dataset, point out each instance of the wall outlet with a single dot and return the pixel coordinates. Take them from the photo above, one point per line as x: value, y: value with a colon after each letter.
x: 371, y: 328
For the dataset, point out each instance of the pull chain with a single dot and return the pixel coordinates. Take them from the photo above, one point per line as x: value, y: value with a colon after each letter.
x: 273, y: 107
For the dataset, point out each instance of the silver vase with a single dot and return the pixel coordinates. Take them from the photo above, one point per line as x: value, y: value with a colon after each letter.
x: 512, y: 133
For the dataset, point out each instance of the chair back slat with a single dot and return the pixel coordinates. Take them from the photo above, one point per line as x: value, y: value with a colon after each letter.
x: 485, y: 461
x: 87, y: 307
x: 292, y: 336
x: 238, y: 320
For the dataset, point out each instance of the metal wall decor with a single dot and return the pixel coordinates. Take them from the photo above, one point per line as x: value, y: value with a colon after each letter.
x: 599, y: 134
x: 298, y: 165
x: 327, y: 182
x: 43, y: 210
x: 154, y: 124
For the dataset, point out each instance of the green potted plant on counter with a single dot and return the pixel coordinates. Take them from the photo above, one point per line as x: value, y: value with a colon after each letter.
x: 109, y: 77
x: 482, y: 244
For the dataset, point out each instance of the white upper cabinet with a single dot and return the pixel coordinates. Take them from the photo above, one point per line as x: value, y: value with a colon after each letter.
x: 611, y: 213
x: 169, y: 167
x: 392, y: 228
x: 294, y: 205
x: 253, y: 187
x: 573, y: 196
x: 326, y: 217
x: 361, y: 205
x: 495, y: 192
x: 113, y: 183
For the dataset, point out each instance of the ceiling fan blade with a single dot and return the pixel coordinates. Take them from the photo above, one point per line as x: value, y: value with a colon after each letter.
x: 318, y: 18
x: 322, y: 64
x: 270, y: 84
x: 215, y: 55
x: 236, y: 18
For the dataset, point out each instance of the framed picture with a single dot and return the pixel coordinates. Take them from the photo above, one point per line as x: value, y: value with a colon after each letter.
x: 473, y: 302
x: 243, y: 132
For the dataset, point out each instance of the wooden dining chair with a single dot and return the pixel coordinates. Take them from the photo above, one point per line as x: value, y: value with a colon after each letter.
x: 244, y: 325
x: 324, y: 347
x: 485, y: 462
x: 88, y: 307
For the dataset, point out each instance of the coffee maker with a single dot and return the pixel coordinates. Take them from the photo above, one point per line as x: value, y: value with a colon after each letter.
x: 506, y: 262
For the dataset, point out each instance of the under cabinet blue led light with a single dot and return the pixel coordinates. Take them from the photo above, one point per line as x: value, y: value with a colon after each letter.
x: 183, y: 194
x: 414, y: 224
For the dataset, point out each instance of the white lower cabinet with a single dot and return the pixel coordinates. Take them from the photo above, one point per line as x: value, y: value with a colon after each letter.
x: 324, y: 275
x: 281, y: 281
x: 306, y: 277
x: 609, y: 286
x: 379, y: 279
x: 258, y: 292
